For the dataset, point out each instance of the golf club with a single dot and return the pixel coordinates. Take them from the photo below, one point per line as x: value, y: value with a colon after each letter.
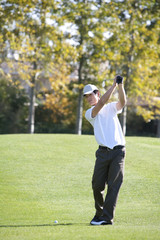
x: 103, y: 83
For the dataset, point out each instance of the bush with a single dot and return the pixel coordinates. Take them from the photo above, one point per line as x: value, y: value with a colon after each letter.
x: 13, y: 112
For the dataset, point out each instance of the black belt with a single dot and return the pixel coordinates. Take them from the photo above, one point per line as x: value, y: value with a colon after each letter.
x: 109, y: 149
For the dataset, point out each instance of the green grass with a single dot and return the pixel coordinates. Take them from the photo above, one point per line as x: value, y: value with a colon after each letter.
x: 48, y: 177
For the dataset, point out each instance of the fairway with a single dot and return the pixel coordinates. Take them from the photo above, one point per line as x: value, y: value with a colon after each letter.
x: 47, y: 177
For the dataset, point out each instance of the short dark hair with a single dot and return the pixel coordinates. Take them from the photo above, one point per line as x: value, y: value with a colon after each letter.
x: 95, y: 91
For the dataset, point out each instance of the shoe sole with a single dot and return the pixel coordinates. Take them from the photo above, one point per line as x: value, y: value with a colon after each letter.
x: 98, y: 223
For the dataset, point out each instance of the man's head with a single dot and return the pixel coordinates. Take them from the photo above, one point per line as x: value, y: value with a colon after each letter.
x: 91, y: 93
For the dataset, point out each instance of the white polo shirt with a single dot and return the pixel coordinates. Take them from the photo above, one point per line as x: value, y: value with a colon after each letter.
x: 107, y: 128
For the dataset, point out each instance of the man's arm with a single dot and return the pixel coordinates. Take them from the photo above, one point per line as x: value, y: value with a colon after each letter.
x: 103, y: 100
x: 122, y: 97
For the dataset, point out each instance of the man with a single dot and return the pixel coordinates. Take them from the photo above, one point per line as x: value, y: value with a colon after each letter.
x: 109, y: 166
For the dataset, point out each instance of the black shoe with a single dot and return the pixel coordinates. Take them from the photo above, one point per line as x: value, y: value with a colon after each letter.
x: 99, y: 221
x: 95, y: 219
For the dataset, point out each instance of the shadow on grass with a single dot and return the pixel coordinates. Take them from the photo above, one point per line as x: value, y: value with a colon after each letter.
x: 44, y: 225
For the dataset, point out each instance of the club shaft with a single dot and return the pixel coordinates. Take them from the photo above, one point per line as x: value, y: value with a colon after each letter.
x: 108, y: 79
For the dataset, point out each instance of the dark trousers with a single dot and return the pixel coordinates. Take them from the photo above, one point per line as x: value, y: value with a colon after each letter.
x: 109, y: 169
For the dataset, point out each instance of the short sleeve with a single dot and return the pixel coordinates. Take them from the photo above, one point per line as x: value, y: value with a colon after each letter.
x: 113, y: 106
x: 88, y: 115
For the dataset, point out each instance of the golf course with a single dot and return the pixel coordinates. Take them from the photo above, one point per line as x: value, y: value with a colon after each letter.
x: 46, y: 193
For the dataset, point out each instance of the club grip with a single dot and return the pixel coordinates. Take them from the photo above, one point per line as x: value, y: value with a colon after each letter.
x: 119, y: 79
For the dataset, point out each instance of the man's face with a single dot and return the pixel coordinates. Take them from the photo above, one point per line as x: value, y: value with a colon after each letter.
x: 92, y: 98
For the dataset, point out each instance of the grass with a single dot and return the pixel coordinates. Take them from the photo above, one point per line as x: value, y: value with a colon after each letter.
x: 48, y: 177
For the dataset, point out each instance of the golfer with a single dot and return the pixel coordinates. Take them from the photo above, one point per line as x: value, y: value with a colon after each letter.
x: 109, y: 165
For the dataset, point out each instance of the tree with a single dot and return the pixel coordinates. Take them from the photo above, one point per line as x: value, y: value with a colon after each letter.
x: 135, y: 55
x: 12, y: 104
x: 29, y: 30
x: 91, y: 39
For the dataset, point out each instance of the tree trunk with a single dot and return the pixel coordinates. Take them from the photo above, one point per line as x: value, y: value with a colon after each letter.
x: 79, y: 113
x: 128, y: 74
x: 32, y: 103
x: 80, y: 99
x: 32, y: 109
x: 124, y: 120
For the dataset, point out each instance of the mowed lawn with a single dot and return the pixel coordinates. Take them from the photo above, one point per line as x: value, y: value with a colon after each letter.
x: 47, y: 177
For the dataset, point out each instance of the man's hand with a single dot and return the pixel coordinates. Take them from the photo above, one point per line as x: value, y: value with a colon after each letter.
x: 119, y: 79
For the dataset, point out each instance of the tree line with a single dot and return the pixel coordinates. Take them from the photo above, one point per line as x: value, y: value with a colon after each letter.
x: 53, y: 48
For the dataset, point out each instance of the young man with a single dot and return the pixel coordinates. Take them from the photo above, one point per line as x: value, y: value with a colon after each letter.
x: 109, y: 166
